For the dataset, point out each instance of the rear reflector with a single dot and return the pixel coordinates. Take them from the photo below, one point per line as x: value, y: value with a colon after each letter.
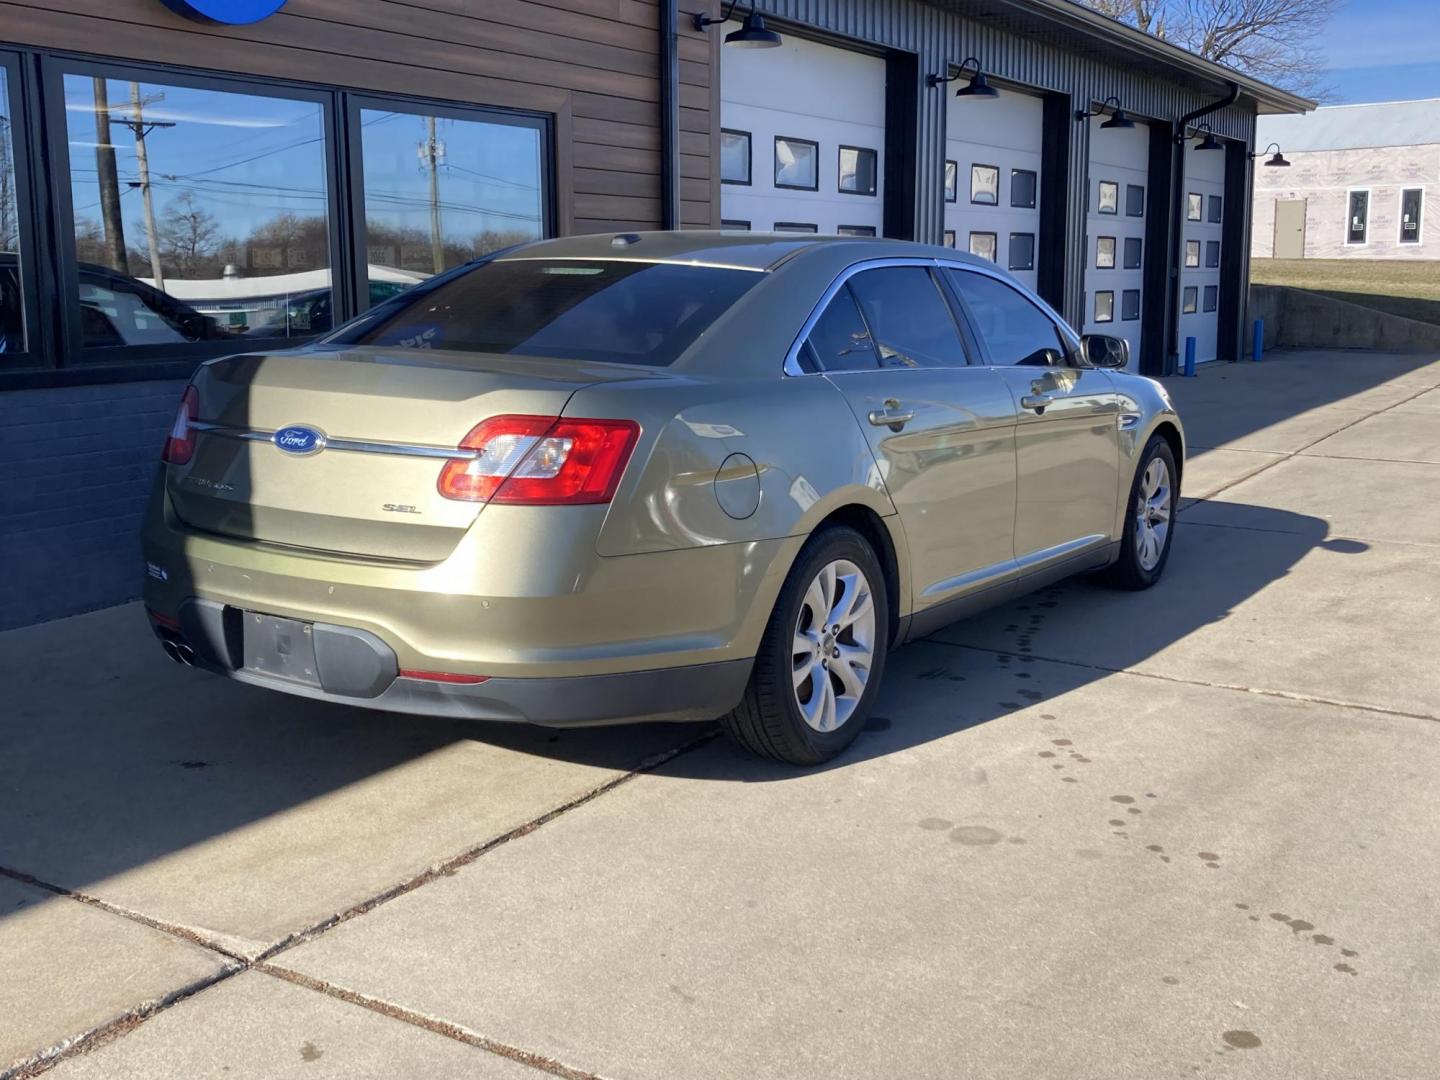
x: 163, y: 620
x: 541, y: 461
x: 443, y: 676
x: 180, y: 443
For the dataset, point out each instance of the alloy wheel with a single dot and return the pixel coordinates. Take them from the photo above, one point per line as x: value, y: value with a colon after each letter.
x: 834, y: 645
x: 1152, y: 514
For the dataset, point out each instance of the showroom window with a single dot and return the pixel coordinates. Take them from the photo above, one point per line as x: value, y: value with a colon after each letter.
x: 1023, y: 186
x: 1359, y: 217
x: 1022, y: 251
x: 14, y: 339
x: 797, y: 164
x: 198, y: 214
x: 734, y: 156
x: 1410, y: 205
x: 857, y: 170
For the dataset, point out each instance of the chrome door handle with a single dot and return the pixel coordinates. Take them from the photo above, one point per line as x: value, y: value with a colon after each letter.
x: 1036, y: 401
x: 891, y: 416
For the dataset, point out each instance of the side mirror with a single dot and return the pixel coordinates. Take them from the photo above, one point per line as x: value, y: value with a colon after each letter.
x: 1103, y: 351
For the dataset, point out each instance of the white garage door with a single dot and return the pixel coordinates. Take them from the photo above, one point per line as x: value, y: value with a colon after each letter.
x: 1200, y: 254
x: 1115, y: 232
x: 992, y: 178
x: 803, y: 141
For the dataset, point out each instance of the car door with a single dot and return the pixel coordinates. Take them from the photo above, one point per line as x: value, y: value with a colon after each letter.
x: 942, y: 430
x: 1067, y: 445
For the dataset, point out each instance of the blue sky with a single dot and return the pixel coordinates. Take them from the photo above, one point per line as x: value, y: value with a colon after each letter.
x: 1383, y: 50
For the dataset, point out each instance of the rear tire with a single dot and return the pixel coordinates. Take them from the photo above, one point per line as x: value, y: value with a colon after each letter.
x: 812, y: 688
x: 1149, y: 519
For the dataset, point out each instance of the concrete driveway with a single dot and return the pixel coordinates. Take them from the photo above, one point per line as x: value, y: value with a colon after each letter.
x: 1188, y: 832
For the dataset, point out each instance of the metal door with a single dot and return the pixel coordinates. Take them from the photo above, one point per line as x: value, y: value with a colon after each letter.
x: 1289, y: 228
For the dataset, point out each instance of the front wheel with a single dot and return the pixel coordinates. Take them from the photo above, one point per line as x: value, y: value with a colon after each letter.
x: 1149, y: 519
x: 819, y: 665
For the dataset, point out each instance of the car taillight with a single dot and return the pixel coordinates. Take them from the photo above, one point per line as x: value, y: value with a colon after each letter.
x: 180, y: 443
x: 541, y: 461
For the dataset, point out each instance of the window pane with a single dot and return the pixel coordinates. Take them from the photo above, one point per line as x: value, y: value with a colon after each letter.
x: 952, y: 181
x: 795, y: 227
x: 1022, y: 251
x: 1134, y: 200
x: 1014, y: 329
x: 1105, y: 252
x: 1108, y: 198
x: 440, y: 192
x: 616, y: 312
x: 1188, y: 299
x: 198, y: 214
x: 1212, y: 297
x: 1212, y: 253
x: 735, y: 157
x: 1130, y: 305
x: 797, y: 164
x: 855, y: 230
x: 1410, y: 201
x: 909, y: 318
x: 1192, y: 252
x: 1134, y: 246
x: 983, y: 244
x: 738, y: 226
x: 840, y: 341
x: 1105, y: 306
x: 1022, y: 188
x: 1359, y: 212
x: 1192, y: 206
x: 12, y: 309
x: 857, y: 170
x: 1216, y: 206
x: 950, y: 238
x: 984, y: 184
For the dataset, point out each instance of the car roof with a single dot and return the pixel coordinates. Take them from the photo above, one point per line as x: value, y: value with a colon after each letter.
x: 733, y: 250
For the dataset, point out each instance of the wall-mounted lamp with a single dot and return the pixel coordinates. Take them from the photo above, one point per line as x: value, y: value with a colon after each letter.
x: 978, y: 86
x: 752, y: 33
x: 1277, y: 160
x: 1118, y: 119
x: 1209, y: 142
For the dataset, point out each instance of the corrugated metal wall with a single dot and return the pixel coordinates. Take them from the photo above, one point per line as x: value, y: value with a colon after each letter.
x: 942, y: 37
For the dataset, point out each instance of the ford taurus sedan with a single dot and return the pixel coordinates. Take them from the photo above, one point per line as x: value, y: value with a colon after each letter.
x: 655, y: 476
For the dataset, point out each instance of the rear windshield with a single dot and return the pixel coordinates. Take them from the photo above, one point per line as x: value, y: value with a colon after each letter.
x: 615, y: 312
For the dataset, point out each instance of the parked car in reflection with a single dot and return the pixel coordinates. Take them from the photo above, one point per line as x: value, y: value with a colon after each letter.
x: 660, y: 476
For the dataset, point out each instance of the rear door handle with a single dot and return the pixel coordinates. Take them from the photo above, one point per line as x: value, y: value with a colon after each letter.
x: 1036, y: 401
x: 891, y: 416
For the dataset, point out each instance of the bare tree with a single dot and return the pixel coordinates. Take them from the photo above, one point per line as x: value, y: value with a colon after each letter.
x: 187, y: 234
x: 1274, y: 40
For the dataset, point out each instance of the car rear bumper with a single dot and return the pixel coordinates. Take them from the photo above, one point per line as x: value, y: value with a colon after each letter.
x: 355, y: 667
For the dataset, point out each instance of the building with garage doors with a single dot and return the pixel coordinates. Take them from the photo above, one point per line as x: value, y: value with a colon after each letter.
x: 1356, y: 183
x: 181, y: 179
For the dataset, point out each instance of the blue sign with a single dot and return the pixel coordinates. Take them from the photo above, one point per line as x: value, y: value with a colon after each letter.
x: 298, y: 439
x: 225, y: 12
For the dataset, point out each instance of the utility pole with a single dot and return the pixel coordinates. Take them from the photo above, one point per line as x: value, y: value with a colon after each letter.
x: 142, y: 162
x: 108, y: 178
x: 432, y: 151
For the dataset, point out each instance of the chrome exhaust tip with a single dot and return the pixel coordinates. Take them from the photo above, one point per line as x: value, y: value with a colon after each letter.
x: 172, y: 651
x: 185, y: 654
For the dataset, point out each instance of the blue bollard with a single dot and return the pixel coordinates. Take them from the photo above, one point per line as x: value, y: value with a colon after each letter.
x: 1258, y: 348
x: 1189, y: 357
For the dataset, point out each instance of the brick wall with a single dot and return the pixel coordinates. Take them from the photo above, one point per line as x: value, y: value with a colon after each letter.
x: 76, y: 466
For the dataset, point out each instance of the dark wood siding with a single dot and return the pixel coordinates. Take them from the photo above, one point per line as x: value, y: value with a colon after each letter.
x: 592, y: 64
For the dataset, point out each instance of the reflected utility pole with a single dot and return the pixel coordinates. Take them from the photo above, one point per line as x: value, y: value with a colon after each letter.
x: 142, y: 162
x: 432, y: 152
x: 109, y: 180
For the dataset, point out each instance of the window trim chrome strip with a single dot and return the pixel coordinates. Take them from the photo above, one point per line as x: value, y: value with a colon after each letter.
x: 357, y: 446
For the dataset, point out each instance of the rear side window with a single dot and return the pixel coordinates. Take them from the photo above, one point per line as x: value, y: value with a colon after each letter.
x: 840, y: 341
x: 579, y: 309
x: 908, y: 318
x: 1015, y: 330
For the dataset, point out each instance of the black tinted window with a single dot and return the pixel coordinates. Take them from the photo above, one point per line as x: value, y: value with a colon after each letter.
x: 1014, y: 329
x: 614, y: 312
x: 909, y: 318
x: 840, y: 340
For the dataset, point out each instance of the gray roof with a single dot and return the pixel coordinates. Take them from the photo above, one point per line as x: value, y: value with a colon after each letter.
x: 1353, y: 127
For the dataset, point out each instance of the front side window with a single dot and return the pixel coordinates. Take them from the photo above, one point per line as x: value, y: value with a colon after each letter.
x: 797, y: 164
x: 441, y: 191
x: 1359, y: 217
x: 1014, y: 329
x: 12, y: 307
x: 840, y: 340
x: 857, y: 170
x: 197, y: 215
x: 601, y: 311
x: 1410, y: 206
x: 908, y: 318
x: 734, y: 157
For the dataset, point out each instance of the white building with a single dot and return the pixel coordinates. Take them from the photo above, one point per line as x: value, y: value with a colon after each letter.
x: 1356, y: 186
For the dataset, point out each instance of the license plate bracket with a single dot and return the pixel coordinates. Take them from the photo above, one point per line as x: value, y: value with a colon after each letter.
x: 280, y: 648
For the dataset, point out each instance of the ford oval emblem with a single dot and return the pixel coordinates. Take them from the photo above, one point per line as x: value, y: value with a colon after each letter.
x: 298, y: 439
